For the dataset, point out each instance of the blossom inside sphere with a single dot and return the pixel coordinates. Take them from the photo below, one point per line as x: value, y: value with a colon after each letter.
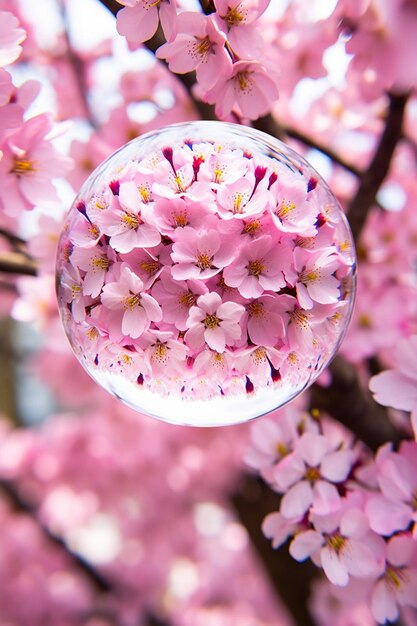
x: 215, y: 267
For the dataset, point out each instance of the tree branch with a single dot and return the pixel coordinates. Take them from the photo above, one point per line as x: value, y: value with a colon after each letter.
x: 353, y: 405
x: 17, y: 263
x: 374, y: 176
x: 290, y: 579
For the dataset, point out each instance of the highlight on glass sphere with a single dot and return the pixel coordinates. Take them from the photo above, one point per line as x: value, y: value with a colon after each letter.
x: 205, y: 274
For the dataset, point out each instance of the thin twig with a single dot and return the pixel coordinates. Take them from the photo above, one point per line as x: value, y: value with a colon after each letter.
x: 374, y: 176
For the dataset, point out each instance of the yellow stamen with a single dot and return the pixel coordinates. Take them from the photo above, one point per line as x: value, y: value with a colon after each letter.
x: 22, y: 166
x: 150, y: 267
x: 203, y: 47
x: 256, y: 267
x: 100, y: 262
x: 259, y: 355
x: 180, y: 219
x: 204, y: 261
x: 312, y: 474
x: 284, y: 209
x: 160, y: 352
x: 187, y: 299
x: 256, y: 309
x: 300, y: 319
x: 130, y: 302
x: 336, y: 542
x: 211, y: 321
x: 252, y: 228
x: 145, y: 193
x: 131, y: 220
x: 234, y: 16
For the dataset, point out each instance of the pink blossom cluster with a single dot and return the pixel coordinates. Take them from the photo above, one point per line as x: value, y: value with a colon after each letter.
x: 200, y: 270
x: 225, y: 49
x: 352, y: 515
x: 28, y: 160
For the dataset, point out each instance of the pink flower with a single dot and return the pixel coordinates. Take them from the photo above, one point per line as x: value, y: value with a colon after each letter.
x: 247, y: 84
x: 139, y: 20
x: 398, y: 586
x: 394, y: 508
x: 316, y: 280
x: 28, y: 164
x: 398, y: 387
x: 241, y: 198
x: 128, y: 221
x: 179, y: 212
x: 10, y: 38
x: 162, y: 352
x: 176, y: 297
x: 264, y: 319
x: 132, y: 309
x: 198, y: 45
x: 290, y: 208
x: 238, y: 18
x: 260, y: 265
x: 214, y: 322
x: 307, y: 477
x: 199, y: 254
x: 95, y: 262
x: 343, y: 545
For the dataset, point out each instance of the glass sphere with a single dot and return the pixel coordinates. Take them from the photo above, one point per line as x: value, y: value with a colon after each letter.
x: 205, y: 274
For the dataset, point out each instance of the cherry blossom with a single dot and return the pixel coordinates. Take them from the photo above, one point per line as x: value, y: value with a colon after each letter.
x: 198, y: 45
x: 247, y: 85
x: 137, y: 309
x: 398, y: 387
x: 139, y: 19
x: 10, y: 38
x: 213, y: 321
x: 261, y: 264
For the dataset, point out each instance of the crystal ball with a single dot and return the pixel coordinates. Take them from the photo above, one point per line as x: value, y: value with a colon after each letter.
x: 205, y: 274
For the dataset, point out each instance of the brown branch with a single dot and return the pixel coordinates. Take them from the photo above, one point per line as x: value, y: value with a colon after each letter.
x: 17, y: 263
x: 352, y: 404
x: 19, y: 504
x: 374, y: 176
x: 290, y: 579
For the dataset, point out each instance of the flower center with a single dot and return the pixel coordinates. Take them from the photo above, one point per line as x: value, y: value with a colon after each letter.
x: 211, y: 321
x: 22, y: 166
x: 187, y: 299
x: 204, y: 261
x: 144, y: 192
x: 93, y: 231
x: 309, y: 277
x: 300, y: 319
x: 394, y: 576
x: 203, y: 46
x: 312, y: 474
x: 100, y: 262
x: 180, y: 219
x: 251, y: 228
x: 336, y: 542
x: 239, y: 201
x: 234, y: 16
x: 150, y: 267
x: 131, y: 302
x: 131, y: 220
x: 256, y: 309
x: 255, y: 268
x: 160, y: 352
x: 244, y: 82
x: 285, y: 208
x: 259, y: 355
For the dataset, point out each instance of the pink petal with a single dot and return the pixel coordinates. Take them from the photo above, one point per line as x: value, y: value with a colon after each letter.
x: 326, y: 498
x: 305, y: 544
x: 386, y: 517
x: 297, y: 501
x: 333, y: 568
x: 337, y: 465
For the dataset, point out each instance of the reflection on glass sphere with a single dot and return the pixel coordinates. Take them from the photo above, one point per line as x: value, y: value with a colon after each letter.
x: 205, y: 274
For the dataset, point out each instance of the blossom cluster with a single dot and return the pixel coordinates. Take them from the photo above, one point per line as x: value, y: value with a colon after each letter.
x: 353, y: 515
x: 202, y: 270
x: 225, y: 49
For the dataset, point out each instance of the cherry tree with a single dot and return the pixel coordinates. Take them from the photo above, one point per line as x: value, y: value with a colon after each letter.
x: 308, y: 515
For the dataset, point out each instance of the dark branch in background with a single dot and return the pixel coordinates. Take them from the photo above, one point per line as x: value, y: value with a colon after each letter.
x: 17, y: 502
x: 290, y: 579
x: 351, y: 404
x: 17, y: 263
x: 374, y: 176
